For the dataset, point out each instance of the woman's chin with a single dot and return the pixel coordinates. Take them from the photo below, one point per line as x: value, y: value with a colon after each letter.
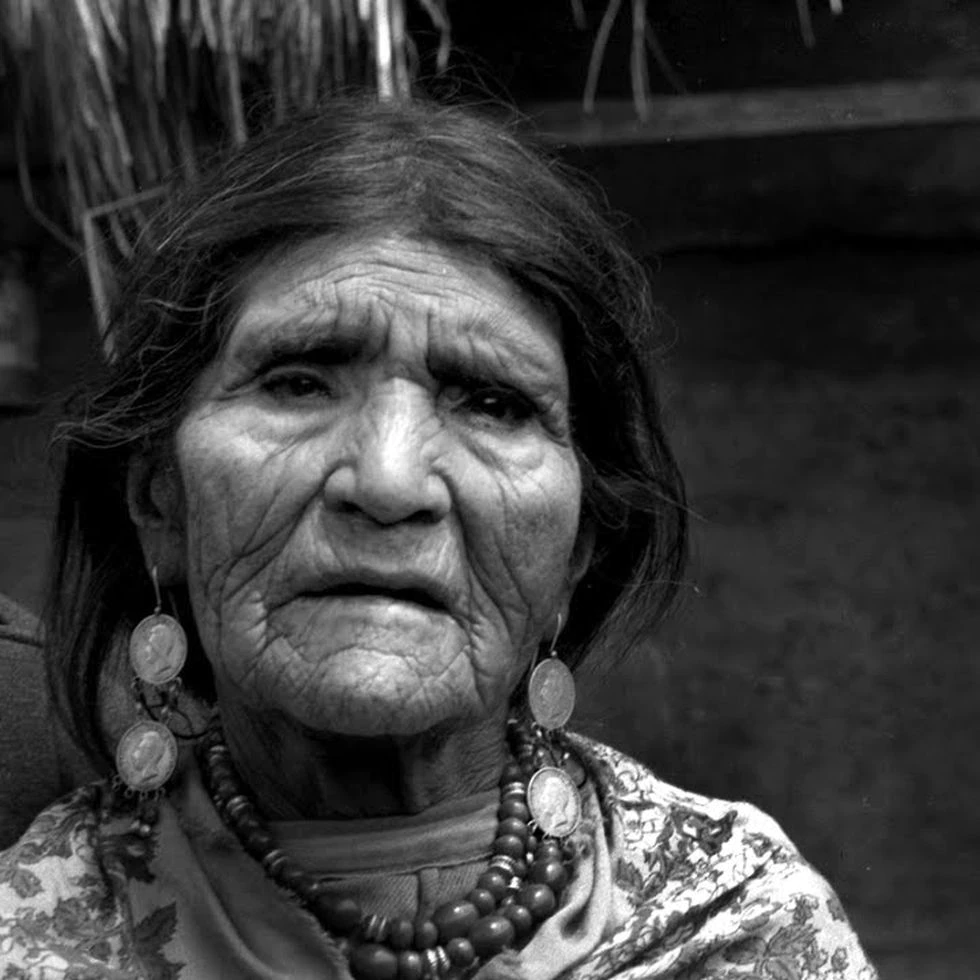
x: 358, y: 701
x: 370, y: 672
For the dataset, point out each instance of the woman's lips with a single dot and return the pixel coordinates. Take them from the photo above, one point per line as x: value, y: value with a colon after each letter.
x: 410, y: 587
x: 358, y: 590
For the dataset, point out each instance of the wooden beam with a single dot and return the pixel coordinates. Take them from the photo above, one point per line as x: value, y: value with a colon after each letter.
x: 764, y: 112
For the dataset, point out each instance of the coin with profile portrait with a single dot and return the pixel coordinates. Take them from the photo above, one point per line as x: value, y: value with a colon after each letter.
x: 551, y: 694
x: 157, y: 649
x: 554, y: 802
x: 146, y: 756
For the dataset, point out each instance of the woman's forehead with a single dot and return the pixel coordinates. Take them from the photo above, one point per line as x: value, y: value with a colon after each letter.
x: 350, y: 295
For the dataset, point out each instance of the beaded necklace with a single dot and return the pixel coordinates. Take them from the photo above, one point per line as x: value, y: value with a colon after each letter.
x: 520, y: 888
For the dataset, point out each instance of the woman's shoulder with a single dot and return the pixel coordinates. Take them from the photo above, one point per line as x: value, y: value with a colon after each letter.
x: 714, y: 882
x: 652, y: 805
x: 60, y: 837
x: 57, y: 907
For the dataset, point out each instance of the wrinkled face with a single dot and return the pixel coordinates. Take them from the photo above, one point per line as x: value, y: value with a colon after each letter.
x: 380, y: 494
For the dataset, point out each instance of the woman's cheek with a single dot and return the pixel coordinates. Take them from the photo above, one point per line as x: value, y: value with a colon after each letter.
x: 528, y: 523
x: 244, y: 482
x: 238, y: 515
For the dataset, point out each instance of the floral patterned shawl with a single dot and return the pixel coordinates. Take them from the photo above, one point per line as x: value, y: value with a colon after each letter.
x: 668, y: 885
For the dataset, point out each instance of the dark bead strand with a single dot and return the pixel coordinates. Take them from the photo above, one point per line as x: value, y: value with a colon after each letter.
x: 372, y: 961
x: 410, y: 965
x: 521, y: 886
x: 483, y: 900
x: 520, y: 918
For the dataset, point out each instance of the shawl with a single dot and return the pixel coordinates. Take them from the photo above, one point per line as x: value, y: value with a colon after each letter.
x: 668, y: 884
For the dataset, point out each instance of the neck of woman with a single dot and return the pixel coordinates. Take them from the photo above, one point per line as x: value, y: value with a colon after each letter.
x: 296, y: 774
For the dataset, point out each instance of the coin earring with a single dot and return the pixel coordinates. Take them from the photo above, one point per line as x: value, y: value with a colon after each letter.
x: 552, y: 796
x: 146, y: 755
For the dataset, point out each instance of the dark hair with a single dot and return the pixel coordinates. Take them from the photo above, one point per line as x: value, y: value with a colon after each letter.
x: 432, y: 172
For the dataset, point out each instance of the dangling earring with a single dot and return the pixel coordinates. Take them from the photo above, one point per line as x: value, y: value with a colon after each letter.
x: 551, y: 689
x: 146, y: 755
x: 552, y: 796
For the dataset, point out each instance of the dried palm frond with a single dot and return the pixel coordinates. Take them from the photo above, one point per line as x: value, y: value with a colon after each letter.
x: 125, y: 93
x: 645, y: 39
x: 806, y: 20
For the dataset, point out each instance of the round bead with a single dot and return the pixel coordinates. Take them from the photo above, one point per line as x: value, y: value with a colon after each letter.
x: 410, y: 965
x: 401, y: 933
x: 218, y: 769
x: 340, y: 915
x: 512, y: 827
x: 258, y: 842
x: 247, y: 824
x: 510, y: 845
x: 460, y: 952
x: 512, y: 773
x: 237, y: 808
x: 494, y: 882
x: 274, y: 862
x: 454, y: 919
x: 294, y: 878
x: 372, y: 961
x: 224, y: 788
x: 490, y: 935
x: 426, y: 934
x: 513, y: 807
x: 551, y: 873
x: 548, y: 850
x: 520, y: 918
x: 539, y: 900
x: 317, y: 888
x: 483, y: 900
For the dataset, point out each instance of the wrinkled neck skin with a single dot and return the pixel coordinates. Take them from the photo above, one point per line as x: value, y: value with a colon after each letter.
x: 293, y: 774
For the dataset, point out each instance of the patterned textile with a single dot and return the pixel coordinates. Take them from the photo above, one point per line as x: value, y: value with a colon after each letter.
x: 667, y: 885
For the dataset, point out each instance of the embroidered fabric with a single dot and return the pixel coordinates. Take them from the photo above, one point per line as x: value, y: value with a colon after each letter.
x: 668, y: 885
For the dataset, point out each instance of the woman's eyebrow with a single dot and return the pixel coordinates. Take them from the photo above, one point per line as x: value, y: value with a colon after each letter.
x: 482, y: 348
x: 464, y: 362
x: 272, y: 343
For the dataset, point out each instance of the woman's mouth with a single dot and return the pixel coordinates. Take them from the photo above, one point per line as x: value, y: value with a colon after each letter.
x: 417, y: 595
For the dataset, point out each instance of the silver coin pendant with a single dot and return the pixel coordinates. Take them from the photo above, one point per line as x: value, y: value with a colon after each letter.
x: 158, y: 649
x: 554, y: 802
x: 146, y: 756
x: 551, y: 694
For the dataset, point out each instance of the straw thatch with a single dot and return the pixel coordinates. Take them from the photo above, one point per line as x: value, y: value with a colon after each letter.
x: 124, y: 93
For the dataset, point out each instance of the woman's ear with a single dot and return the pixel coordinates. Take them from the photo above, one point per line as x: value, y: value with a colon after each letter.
x: 156, y: 508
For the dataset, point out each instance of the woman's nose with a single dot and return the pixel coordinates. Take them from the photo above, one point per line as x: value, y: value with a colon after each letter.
x: 386, y: 470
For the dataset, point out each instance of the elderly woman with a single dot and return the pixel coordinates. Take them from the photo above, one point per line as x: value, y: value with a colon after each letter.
x: 378, y: 454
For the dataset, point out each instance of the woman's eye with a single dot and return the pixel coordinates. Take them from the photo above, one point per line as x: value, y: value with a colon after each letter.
x: 285, y: 385
x: 499, y: 404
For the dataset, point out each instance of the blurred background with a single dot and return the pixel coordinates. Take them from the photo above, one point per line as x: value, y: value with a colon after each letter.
x: 804, y: 181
